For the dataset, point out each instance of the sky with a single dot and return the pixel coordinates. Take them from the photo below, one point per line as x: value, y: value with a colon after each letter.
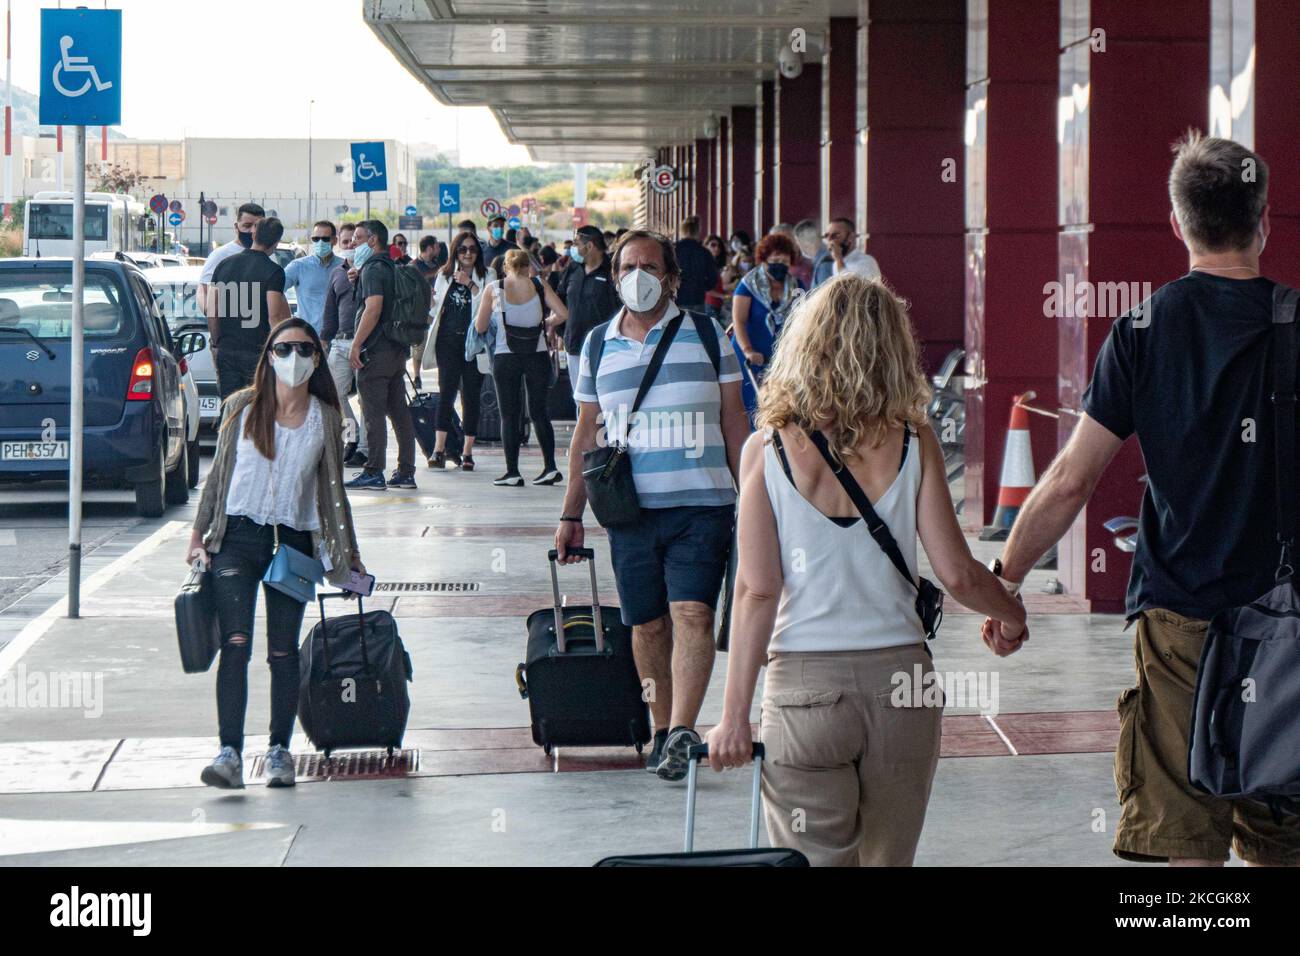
x: 250, y: 68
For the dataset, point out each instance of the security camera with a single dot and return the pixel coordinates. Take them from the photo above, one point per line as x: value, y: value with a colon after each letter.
x: 790, y: 62
x: 710, y: 127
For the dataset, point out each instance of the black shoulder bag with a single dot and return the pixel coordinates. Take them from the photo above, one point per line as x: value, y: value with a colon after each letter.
x: 522, y: 339
x: 607, y: 469
x: 1246, y: 706
x: 929, y: 599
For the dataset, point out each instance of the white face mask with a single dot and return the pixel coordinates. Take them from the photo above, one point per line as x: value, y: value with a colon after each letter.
x: 293, y: 369
x: 640, y: 290
x: 343, y: 253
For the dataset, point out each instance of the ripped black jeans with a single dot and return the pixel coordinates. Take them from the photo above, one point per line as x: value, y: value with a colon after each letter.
x: 237, y: 570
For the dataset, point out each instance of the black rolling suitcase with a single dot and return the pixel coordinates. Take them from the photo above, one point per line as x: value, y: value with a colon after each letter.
x: 489, y: 418
x: 559, y: 401
x: 754, y: 856
x: 580, y: 678
x: 424, y: 422
x: 352, y: 672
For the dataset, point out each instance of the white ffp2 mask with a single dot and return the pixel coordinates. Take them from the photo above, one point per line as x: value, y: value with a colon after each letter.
x: 640, y: 290
x: 293, y: 369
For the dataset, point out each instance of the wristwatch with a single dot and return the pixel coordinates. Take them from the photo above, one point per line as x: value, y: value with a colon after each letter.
x: 1013, y: 587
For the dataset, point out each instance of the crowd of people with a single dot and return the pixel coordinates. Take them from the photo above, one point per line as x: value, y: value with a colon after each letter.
x: 771, y: 403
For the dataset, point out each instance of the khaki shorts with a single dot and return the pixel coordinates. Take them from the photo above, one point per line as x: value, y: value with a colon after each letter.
x: 1164, y: 815
x: 847, y: 775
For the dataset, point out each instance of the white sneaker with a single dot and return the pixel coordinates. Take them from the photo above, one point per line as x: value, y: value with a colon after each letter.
x: 226, y: 772
x: 279, y: 767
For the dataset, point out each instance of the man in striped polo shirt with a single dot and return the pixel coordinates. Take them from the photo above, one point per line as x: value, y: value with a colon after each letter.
x: 684, y: 445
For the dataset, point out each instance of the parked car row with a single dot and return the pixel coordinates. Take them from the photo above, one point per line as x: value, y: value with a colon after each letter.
x: 142, y: 403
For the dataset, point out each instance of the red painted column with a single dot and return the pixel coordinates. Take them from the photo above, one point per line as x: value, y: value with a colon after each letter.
x: 1011, y: 229
x: 839, y: 109
x: 1120, y: 108
x: 915, y: 117
x: 742, y: 167
x: 797, y: 157
x: 1277, y: 131
x: 767, y: 170
x: 700, y: 194
x: 722, y: 207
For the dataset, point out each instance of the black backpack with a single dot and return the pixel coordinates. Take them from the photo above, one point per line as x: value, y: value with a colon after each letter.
x: 408, y: 321
x: 1246, y: 706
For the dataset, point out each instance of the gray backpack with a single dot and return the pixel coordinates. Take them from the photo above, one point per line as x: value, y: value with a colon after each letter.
x: 1246, y: 707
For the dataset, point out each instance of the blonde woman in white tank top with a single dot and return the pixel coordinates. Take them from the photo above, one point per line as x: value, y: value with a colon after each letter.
x: 847, y: 775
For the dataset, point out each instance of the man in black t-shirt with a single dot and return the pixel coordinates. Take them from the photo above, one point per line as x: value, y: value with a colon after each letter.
x: 1189, y: 373
x: 699, y: 270
x: 245, y: 300
x: 380, y: 361
x: 590, y: 295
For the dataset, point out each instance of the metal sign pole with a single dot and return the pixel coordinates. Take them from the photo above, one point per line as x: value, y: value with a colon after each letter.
x: 77, y: 392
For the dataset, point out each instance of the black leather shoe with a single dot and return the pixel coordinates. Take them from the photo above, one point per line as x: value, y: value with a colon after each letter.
x: 356, y: 460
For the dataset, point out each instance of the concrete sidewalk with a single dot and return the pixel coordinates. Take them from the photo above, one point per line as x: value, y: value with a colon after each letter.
x: 115, y: 780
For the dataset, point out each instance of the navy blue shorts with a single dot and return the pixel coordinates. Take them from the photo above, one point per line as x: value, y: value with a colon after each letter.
x: 671, y: 554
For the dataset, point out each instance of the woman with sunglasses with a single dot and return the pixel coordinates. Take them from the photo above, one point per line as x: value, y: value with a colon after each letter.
x: 276, y: 481
x: 456, y: 295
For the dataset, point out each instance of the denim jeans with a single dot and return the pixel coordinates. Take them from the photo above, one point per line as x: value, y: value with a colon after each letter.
x: 341, y: 370
x: 237, y: 570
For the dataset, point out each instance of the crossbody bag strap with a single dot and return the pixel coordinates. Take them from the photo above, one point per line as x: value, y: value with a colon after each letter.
x: 1284, y: 401
x: 656, y: 360
x: 878, y: 529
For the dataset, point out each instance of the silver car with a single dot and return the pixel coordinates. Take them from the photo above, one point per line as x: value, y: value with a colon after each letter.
x: 176, y: 288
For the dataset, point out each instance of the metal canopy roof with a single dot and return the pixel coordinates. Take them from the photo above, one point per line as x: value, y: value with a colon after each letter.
x: 586, y: 81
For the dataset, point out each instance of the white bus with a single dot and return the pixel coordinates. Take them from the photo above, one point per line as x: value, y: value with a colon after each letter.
x: 114, y: 223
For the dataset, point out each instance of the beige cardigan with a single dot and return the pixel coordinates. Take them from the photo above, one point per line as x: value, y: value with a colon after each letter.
x: 337, y: 532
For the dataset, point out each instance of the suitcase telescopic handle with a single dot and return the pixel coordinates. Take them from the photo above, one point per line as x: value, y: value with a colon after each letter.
x: 361, y: 624
x: 552, y: 557
x: 698, y: 752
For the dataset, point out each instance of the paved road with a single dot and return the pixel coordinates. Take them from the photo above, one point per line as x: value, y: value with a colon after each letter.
x: 34, y: 530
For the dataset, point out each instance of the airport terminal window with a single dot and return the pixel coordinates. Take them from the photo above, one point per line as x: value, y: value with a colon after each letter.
x: 42, y: 305
x: 54, y: 221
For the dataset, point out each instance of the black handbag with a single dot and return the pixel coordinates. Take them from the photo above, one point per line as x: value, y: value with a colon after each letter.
x: 929, y: 599
x: 197, y: 630
x: 1246, y: 705
x: 607, y: 470
x: 522, y: 340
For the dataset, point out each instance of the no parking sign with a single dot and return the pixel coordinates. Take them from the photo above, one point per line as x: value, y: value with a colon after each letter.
x: 490, y: 208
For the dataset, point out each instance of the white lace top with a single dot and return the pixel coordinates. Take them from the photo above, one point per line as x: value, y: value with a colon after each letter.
x: 283, y: 491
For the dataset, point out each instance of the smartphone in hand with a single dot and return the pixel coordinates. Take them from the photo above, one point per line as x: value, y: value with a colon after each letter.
x: 358, y: 583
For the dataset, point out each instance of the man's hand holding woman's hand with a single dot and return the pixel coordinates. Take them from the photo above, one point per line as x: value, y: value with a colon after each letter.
x: 1005, y: 637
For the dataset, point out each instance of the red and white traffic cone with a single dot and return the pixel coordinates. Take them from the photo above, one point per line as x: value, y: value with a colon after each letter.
x: 1017, y: 474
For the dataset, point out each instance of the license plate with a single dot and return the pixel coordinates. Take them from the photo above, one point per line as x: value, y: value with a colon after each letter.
x: 34, y: 451
x: 209, y: 403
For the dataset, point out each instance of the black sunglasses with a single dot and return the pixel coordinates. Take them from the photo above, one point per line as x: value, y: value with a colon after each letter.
x: 400, y: 242
x: 464, y: 249
x: 283, y: 349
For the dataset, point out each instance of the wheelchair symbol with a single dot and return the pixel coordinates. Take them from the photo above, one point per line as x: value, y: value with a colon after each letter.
x: 76, y: 64
x: 366, y: 169
x: 448, y: 198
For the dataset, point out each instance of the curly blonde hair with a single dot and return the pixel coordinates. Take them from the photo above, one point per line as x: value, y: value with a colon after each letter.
x: 846, y: 357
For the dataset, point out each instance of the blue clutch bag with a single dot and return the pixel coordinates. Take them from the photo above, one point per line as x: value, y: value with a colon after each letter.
x: 293, y: 573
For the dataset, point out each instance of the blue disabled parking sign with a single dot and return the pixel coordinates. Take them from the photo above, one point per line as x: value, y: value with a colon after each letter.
x: 81, y: 67
x: 449, y: 197
x: 369, y: 172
